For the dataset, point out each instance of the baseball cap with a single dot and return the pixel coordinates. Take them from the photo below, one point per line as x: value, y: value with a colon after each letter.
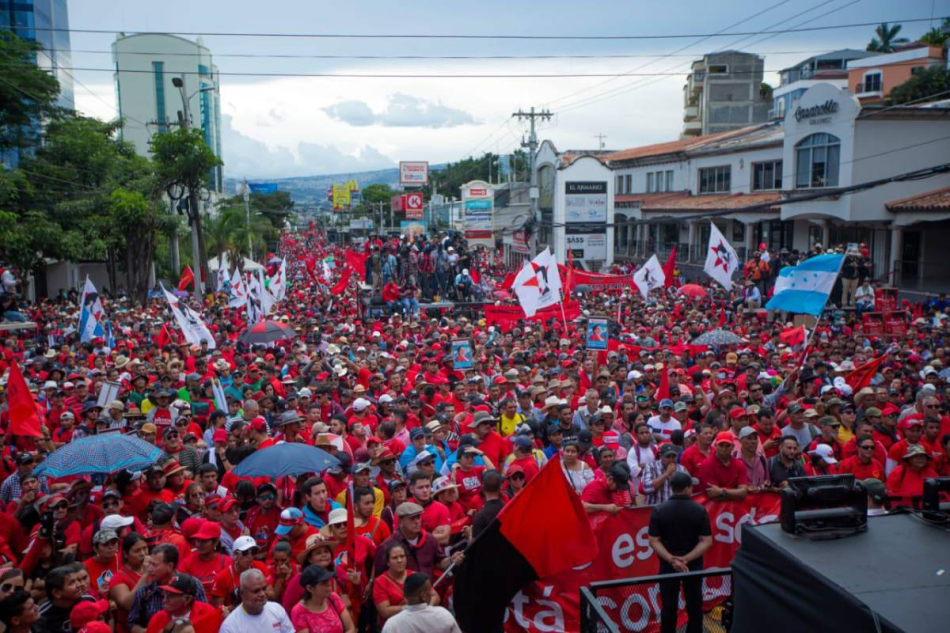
x: 243, y: 544
x: 872, y: 412
x: 668, y: 449
x: 724, y: 436
x: 288, y: 519
x: 104, y: 536
x: 746, y: 432
x: 681, y: 481
x: 680, y: 406
x: 181, y: 584
x: 337, y: 515
x: 738, y: 413
x: 86, y: 611
x: 523, y: 442
x: 115, y: 521
x: 875, y: 489
x: 666, y: 402
x: 208, y: 531
x: 825, y: 452
x: 620, y: 476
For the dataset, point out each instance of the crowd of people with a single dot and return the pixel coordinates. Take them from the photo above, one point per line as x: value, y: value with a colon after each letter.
x: 427, y: 454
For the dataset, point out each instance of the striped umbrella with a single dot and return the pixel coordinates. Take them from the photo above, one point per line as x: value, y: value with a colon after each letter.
x: 107, y: 453
x: 266, y: 332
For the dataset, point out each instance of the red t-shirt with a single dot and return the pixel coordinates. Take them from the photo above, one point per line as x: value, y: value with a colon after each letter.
x: 126, y: 577
x: 377, y: 531
x: 435, y: 515
x: 691, y: 458
x: 872, y: 470
x: 387, y: 589
x: 203, y: 617
x: 100, y: 576
x: 851, y: 448
x: 227, y: 584
x: 713, y: 472
x: 530, y: 466
x: 470, y: 485
x: 206, y: 571
x: 495, y: 448
x: 905, y: 483
x: 763, y: 438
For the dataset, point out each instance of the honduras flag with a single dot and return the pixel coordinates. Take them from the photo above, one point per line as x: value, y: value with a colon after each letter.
x: 804, y: 289
x: 90, y: 313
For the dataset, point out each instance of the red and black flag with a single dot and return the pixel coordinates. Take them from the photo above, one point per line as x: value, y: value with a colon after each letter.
x: 543, y: 531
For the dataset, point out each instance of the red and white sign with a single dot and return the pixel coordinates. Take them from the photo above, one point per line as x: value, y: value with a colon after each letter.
x: 412, y: 205
x: 478, y: 193
x: 413, y: 173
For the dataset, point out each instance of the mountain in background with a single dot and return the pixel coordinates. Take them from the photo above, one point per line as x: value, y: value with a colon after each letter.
x: 313, y: 189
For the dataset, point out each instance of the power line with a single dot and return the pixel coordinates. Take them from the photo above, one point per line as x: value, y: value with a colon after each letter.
x: 459, y: 36
x: 422, y: 57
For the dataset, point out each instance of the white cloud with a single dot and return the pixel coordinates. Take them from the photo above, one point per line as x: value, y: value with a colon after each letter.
x: 402, y: 110
x: 247, y: 156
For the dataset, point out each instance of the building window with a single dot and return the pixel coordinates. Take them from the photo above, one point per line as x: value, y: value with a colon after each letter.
x: 158, y: 70
x: 715, y: 179
x: 629, y: 179
x: 718, y: 69
x: 872, y: 81
x: 767, y: 176
x: 669, y: 180
x: 619, y: 185
x: 650, y: 182
x: 816, y: 161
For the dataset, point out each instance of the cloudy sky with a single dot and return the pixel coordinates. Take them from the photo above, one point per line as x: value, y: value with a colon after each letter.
x: 300, y: 125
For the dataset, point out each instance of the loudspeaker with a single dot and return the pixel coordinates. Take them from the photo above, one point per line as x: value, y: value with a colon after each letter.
x: 830, y: 506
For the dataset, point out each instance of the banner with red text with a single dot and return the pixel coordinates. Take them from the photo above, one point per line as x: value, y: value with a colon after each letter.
x: 597, y: 281
x: 507, y: 317
x: 553, y: 604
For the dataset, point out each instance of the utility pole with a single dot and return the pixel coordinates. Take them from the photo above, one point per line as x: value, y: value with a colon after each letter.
x: 246, y: 193
x: 532, y: 145
x: 193, y: 213
x: 600, y: 138
x: 172, y: 203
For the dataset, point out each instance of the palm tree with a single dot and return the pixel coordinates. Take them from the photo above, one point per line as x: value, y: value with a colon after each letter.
x: 886, y: 38
x: 937, y: 36
x: 229, y: 235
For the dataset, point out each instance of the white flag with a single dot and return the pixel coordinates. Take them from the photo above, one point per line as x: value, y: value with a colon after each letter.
x: 238, y: 290
x: 190, y: 322
x: 538, y: 284
x: 649, y: 276
x: 721, y: 259
x: 255, y: 300
x: 90, y: 313
x: 267, y: 299
x: 278, y: 283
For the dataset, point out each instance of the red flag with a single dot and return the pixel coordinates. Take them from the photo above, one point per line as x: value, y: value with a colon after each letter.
x: 163, y: 338
x: 792, y: 335
x: 570, y: 270
x: 669, y: 267
x: 187, y: 278
x: 342, y: 283
x: 532, y: 544
x: 476, y: 276
x: 312, y: 267
x: 663, y: 391
x: 350, y: 528
x: 24, y: 418
x: 509, y: 280
x: 861, y: 376
x: 722, y: 317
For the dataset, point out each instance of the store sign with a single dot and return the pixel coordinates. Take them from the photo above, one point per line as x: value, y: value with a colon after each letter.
x: 587, y: 246
x: 413, y: 173
x: 413, y: 206
x: 585, y: 218
x: 478, y: 207
x: 818, y: 113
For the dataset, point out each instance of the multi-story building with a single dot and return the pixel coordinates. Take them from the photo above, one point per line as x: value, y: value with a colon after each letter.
x: 795, y: 80
x: 750, y: 183
x: 147, y: 67
x: 724, y: 92
x: 47, y: 23
x: 871, y: 79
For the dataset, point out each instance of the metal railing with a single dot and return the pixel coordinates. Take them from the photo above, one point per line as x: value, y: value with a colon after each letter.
x: 634, y: 604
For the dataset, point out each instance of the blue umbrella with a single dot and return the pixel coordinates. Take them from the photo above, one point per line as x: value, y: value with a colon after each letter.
x: 287, y: 458
x: 107, y: 453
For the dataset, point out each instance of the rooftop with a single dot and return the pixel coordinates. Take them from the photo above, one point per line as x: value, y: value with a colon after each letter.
x: 937, y: 200
x: 714, y: 202
x: 763, y: 132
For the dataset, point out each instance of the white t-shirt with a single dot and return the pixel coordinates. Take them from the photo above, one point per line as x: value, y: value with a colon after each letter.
x: 272, y: 618
x: 663, y: 429
x: 8, y: 281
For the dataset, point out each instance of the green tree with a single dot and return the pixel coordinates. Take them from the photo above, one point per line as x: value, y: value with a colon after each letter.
x: 182, y: 162
x: 449, y: 181
x: 937, y: 36
x: 229, y: 234
x: 27, y: 93
x: 886, y: 38
x: 139, y: 222
x: 929, y: 84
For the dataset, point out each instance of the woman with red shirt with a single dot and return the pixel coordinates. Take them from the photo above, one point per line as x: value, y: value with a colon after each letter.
x: 129, y: 578
x: 907, y: 480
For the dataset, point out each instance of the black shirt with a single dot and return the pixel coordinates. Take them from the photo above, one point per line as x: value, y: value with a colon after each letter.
x: 779, y: 472
x: 679, y: 523
x: 486, y: 515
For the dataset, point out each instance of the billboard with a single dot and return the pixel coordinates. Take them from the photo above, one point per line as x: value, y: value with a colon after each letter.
x: 585, y: 219
x: 341, y: 196
x: 478, y: 206
x: 262, y: 187
x: 413, y: 173
x: 413, y: 205
x: 413, y: 227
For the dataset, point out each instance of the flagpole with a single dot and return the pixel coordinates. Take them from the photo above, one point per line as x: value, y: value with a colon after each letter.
x: 563, y: 314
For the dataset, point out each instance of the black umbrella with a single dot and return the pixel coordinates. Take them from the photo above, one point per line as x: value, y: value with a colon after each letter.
x: 267, y: 332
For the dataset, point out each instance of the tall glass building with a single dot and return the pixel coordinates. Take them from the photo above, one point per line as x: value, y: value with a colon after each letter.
x: 45, y: 22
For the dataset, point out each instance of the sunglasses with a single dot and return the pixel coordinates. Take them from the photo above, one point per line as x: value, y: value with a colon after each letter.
x: 254, y: 551
x: 60, y: 506
x: 268, y: 497
x: 867, y: 447
x: 8, y: 587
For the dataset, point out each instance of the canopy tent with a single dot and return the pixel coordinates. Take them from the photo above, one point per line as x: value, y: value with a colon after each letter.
x: 222, y: 260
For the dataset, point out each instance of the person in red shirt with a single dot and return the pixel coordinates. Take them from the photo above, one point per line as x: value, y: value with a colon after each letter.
x: 931, y: 439
x: 226, y: 590
x: 294, y: 530
x: 257, y: 432
x: 179, y: 601
x: 435, y: 516
x: 821, y: 461
x: 104, y: 564
x: 693, y: 456
x: 154, y: 490
x: 492, y: 446
x: 262, y: 519
x: 913, y: 428
x: 609, y: 493
x: 907, y: 480
x: 721, y: 475
x: 885, y: 424
x: 469, y: 476
x: 206, y: 563
x: 446, y: 494
x: 863, y: 465
x: 862, y: 430
x: 769, y: 434
x: 364, y: 521
x: 524, y: 457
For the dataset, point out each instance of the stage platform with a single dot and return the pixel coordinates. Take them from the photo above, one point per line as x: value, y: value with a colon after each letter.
x: 893, y: 578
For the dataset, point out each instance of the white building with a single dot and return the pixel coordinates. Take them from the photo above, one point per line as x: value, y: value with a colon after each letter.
x: 145, y: 66
x: 826, y: 141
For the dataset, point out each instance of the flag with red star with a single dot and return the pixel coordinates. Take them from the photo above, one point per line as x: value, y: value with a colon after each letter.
x: 538, y: 284
x: 721, y: 258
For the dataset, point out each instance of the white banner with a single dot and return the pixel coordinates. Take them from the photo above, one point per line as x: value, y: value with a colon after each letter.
x: 190, y: 322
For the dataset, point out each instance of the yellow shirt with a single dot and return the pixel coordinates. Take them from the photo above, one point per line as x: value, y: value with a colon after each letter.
x: 844, y: 434
x: 508, y: 424
x: 378, y: 505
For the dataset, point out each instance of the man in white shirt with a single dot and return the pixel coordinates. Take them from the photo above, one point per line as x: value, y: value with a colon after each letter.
x: 417, y: 616
x: 663, y: 425
x: 255, y: 613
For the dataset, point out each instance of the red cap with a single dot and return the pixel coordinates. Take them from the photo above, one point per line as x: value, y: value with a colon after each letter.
x: 227, y: 504
x: 87, y: 611
x: 253, y: 367
x: 725, y: 436
x: 890, y: 409
x: 210, y: 530
x: 374, y: 440
x: 219, y: 435
x: 190, y: 526
x: 737, y: 413
x: 259, y: 424
x: 500, y: 380
x: 95, y: 626
x: 912, y: 420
